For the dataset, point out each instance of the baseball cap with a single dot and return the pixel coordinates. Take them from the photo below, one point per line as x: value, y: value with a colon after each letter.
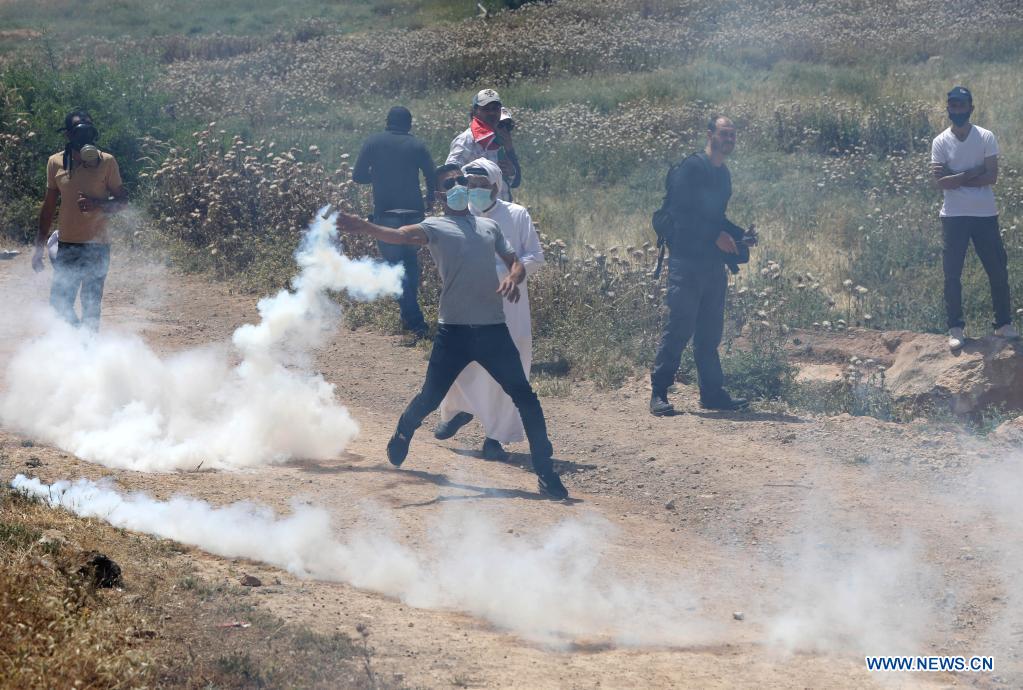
x: 486, y: 96
x: 960, y: 93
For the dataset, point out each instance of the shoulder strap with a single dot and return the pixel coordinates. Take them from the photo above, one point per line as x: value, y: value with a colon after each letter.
x: 667, y: 179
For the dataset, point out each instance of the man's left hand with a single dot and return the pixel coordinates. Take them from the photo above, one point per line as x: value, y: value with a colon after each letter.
x: 85, y: 204
x: 508, y: 289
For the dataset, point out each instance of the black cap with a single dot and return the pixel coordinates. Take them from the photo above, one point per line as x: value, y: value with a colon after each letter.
x: 960, y: 93
x: 399, y: 119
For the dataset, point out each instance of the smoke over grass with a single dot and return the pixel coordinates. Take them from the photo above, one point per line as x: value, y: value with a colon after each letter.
x: 554, y: 590
x: 109, y: 398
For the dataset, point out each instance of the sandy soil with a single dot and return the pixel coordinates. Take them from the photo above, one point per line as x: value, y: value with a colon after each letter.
x: 731, y: 501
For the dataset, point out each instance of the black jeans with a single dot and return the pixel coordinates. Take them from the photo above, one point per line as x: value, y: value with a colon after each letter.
x: 454, y: 347
x: 696, y: 304
x: 406, y: 255
x: 81, y: 266
x: 958, y: 231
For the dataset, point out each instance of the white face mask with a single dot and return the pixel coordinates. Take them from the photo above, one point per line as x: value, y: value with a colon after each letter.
x: 479, y: 199
x: 458, y: 198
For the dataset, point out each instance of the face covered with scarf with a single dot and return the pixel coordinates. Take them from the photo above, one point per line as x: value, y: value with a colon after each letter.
x: 484, y: 182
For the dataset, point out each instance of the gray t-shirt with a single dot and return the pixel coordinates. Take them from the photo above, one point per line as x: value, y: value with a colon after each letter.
x: 463, y: 248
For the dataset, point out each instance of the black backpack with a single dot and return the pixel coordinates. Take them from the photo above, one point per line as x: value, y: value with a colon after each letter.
x: 663, y: 222
x: 665, y: 227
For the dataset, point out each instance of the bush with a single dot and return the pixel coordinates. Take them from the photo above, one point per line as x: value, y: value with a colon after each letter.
x: 34, y: 98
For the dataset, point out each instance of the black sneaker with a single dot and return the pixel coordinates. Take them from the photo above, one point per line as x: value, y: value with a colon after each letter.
x: 727, y: 404
x: 659, y: 405
x: 550, y: 486
x: 397, y: 448
x: 446, y: 430
x: 492, y: 450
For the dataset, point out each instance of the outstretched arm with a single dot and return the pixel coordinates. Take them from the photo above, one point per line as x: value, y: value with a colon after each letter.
x: 406, y: 234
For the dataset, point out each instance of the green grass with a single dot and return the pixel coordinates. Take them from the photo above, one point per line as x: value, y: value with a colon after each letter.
x: 831, y: 161
x: 60, y: 21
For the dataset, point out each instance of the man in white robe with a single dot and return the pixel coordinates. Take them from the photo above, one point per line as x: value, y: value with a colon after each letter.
x: 475, y: 393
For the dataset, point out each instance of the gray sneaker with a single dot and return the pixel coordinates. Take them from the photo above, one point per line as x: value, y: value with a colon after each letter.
x: 659, y: 405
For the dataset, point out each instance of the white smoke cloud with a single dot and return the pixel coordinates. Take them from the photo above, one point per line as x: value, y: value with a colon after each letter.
x: 552, y: 591
x: 108, y: 398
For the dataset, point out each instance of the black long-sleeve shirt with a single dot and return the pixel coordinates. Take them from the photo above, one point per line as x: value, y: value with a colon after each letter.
x: 698, y: 195
x: 391, y: 161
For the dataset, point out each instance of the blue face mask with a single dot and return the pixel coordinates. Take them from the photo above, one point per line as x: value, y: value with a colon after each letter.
x: 479, y: 198
x: 458, y: 198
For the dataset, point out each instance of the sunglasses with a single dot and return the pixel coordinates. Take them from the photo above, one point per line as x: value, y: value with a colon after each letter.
x: 461, y: 180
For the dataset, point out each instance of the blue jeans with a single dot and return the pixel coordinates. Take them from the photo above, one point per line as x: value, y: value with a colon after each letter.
x: 454, y: 347
x: 79, y: 266
x: 406, y: 255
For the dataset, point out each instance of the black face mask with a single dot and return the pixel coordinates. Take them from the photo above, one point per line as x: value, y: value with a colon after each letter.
x: 959, y: 119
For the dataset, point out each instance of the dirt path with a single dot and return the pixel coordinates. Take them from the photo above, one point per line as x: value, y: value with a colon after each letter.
x: 758, y: 513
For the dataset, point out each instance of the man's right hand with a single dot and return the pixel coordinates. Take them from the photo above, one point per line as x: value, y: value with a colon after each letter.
x: 37, y: 259
x: 347, y: 222
x: 726, y: 243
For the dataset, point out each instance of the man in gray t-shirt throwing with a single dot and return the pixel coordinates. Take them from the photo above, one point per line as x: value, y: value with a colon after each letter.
x: 471, y: 326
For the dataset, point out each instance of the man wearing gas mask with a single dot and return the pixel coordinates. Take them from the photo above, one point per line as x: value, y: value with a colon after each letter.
x: 472, y: 325
x: 964, y: 163
x: 87, y: 183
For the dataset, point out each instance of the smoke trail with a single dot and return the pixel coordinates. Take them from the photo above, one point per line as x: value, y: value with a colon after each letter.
x: 109, y: 398
x: 554, y: 591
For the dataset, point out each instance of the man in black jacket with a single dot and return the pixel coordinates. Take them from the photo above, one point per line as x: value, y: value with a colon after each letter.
x: 391, y: 161
x: 698, y: 193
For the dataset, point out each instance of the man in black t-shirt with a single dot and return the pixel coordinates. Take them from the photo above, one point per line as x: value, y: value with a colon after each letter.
x: 698, y: 193
x: 391, y: 161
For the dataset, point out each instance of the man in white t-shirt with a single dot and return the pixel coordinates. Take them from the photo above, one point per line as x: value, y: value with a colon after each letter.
x: 964, y: 162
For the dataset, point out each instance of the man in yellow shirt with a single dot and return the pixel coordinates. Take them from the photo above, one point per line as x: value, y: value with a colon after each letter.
x: 88, y: 185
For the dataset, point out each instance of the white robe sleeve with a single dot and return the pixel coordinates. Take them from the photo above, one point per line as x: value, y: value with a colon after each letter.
x: 530, y: 252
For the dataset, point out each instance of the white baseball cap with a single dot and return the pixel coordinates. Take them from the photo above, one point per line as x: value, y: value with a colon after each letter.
x: 486, y: 96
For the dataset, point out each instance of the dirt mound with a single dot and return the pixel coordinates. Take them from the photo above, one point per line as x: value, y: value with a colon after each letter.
x: 987, y: 372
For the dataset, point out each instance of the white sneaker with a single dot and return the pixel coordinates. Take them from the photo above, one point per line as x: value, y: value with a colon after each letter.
x: 956, y: 339
x: 1007, y: 331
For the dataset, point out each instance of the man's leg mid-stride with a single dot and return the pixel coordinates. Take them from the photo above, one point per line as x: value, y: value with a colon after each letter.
x: 494, y: 349
x: 449, y: 356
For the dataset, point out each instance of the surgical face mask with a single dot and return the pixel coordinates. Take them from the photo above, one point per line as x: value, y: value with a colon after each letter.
x: 458, y: 198
x: 959, y: 119
x: 479, y: 198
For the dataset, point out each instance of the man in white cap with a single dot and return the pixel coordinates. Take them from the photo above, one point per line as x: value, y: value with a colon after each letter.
x: 489, y: 136
x: 475, y: 393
